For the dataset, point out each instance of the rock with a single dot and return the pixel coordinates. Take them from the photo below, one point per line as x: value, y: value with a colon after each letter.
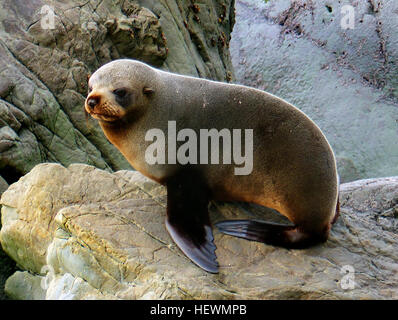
x: 7, y: 265
x: 3, y: 185
x: 198, y: 36
x: 25, y: 286
x: 84, y: 233
x: 344, y: 79
x: 47, y: 50
x: 7, y: 268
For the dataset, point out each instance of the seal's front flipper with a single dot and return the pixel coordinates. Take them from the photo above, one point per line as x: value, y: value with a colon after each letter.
x: 188, y: 220
x: 201, y: 253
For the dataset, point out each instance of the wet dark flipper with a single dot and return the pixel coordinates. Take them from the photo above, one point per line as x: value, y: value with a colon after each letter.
x: 270, y: 233
x: 253, y: 229
x: 202, y: 254
x: 188, y: 219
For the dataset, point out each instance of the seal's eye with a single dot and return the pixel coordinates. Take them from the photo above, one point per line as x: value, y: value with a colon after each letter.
x: 123, y: 97
x: 121, y: 93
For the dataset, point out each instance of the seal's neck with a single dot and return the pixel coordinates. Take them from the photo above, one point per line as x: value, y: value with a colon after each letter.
x: 115, y: 131
x: 121, y: 132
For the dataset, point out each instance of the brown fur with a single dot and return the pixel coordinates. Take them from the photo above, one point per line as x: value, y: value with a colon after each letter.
x: 294, y: 169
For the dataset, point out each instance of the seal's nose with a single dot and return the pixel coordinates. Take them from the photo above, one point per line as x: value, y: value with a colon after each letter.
x: 93, y: 101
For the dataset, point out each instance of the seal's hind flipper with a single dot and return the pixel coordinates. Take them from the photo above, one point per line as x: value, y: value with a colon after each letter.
x: 270, y: 233
x: 253, y: 229
x: 188, y: 220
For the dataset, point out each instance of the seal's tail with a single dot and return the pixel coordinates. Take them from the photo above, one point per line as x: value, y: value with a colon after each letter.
x: 271, y: 233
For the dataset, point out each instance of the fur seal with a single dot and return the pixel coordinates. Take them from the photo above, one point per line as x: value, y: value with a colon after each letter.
x: 294, y: 168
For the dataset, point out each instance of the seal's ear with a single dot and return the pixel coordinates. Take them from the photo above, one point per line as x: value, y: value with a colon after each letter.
x: 148, y: 90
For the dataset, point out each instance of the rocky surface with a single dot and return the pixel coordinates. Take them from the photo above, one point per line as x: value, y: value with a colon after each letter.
x: 344, y: 79
x: 48, y: 48
x: 7, y: 268
x: 84, y: 233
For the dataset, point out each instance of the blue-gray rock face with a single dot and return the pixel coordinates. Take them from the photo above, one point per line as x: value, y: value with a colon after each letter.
x: 346, y: 80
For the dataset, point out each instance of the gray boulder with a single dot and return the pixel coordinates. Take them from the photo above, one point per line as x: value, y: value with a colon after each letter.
x: 344, y: 79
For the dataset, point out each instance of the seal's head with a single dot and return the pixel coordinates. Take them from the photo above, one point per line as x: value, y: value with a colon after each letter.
x: 117, y: 89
